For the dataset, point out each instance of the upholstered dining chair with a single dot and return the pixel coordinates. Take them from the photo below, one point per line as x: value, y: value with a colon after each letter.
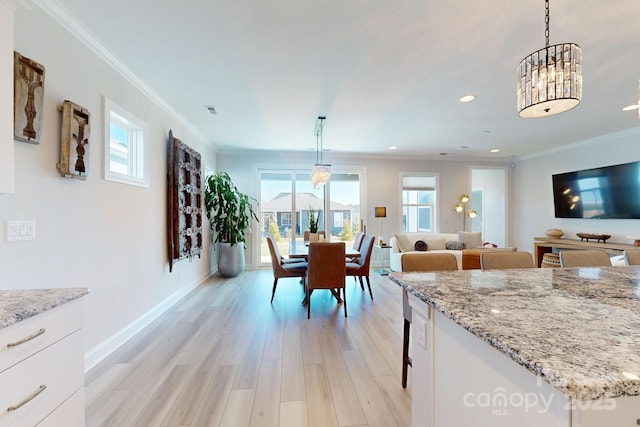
x: 326, y: 270
x: 360, y: 268
x: 505, y: 260
x: 632, y: 257
x: 587, y: 258
x: 280, y: 270
x: 419, y: 263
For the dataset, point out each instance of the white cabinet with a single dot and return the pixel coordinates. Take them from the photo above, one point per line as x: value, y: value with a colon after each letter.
x: 42, y: 369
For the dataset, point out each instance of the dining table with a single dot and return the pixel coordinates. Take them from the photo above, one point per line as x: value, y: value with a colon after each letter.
x: 300, y: 249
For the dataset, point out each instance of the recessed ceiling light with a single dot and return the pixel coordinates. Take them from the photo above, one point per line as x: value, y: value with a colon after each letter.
x: 393, y: 147
x: 630, y: 107
x: 467, y: 98
x: 495, y: 150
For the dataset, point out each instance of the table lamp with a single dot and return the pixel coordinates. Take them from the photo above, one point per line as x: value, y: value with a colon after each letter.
x: 380, y: 212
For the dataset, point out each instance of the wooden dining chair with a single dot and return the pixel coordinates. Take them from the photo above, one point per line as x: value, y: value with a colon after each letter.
x: 502, y: 260
x: 326, y: 270
x: 419, y: 263
x: 587, y: 258
x: 357, y: 243
x: 360, y: 268
x: 632, y: 257
x: 280, y: 270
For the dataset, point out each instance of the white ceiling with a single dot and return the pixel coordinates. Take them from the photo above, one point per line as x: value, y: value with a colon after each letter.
x: 384, y: 72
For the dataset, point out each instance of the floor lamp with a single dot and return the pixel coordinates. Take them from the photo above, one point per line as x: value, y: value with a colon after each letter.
x: 380, y: 212
x: 461, y: 207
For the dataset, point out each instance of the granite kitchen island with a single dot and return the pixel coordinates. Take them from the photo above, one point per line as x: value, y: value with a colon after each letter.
x: 529, y: 347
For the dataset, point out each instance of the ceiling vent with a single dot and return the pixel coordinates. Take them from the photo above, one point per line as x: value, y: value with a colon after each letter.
x: 211, y: 109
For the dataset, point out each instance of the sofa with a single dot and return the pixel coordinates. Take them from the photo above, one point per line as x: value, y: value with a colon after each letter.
x: 403, y: 243
x: 466, y: 246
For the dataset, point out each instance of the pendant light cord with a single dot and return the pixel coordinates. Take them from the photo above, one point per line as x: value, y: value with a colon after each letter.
x: 546, y: 23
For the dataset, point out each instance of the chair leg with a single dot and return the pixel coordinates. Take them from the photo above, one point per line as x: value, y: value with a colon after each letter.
x: 361, y: 284
x: 369, y: 286
x: 308, y: 304
x: 344, y: 300
x: 406, y: 361
x: 273, y: 292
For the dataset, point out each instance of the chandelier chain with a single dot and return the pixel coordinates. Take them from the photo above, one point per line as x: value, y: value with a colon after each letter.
x: 546, y: 23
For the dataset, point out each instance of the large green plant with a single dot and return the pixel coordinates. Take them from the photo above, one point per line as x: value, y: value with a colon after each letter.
x: 229, y: 211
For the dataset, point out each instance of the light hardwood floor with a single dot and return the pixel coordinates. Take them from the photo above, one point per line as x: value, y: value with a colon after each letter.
x: 224, y: 356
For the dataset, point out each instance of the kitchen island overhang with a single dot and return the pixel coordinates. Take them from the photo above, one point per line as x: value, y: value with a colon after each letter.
x: 576, y: 333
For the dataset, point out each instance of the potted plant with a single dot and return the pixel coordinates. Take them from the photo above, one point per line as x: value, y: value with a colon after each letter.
x: 230, y: 213
x: 314, y: 216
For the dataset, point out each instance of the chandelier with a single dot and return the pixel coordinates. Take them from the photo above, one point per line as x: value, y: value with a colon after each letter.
x: 321, y: 171
x: 550, y: 79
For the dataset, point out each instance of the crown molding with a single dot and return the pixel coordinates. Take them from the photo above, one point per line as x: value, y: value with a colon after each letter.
x: 59, y: 13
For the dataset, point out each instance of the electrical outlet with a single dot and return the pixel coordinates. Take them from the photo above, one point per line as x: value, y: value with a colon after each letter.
x: 18, y: 231
x: 421, y: 331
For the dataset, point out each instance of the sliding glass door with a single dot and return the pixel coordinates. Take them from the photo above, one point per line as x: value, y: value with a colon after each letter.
x: 287, y: 197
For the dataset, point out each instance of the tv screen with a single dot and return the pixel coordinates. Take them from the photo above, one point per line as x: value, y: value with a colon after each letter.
x: 611, y: 192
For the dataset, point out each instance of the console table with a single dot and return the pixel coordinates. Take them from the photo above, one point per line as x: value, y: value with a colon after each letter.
x: 543, y: 245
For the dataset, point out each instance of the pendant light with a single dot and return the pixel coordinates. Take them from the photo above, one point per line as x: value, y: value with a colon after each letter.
x: 550, y: 79
x: 321, y: 171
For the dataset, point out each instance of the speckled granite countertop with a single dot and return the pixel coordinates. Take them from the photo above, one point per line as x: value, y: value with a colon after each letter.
x: 578, y: 328
x: 17, y: 305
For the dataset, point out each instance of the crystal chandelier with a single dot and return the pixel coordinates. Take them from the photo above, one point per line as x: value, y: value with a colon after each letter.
x: 321, y: 172
x: 550, y: 79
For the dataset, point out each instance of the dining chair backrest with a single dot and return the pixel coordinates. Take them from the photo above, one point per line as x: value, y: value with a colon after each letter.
x: 274, y: 251
x: 632, y: 257
x: 429, y: 262
x: 505, y: 260
x: 326, y: 268
x: 588, y: 258
x: 366, y: 248
x: 357, y: 241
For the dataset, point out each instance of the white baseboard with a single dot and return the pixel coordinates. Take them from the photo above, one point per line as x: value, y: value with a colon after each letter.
x: 111, y: 344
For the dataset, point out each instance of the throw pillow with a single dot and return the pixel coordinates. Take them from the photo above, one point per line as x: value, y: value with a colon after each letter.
x: 470, y: 239
x: 454, y: 245
x: 403, y: 242
x: 420, y: 245
x: 435, y: 243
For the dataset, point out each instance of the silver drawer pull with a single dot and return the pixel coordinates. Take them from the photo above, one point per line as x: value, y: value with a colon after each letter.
x: 27, y: 339
x: 28, y: 399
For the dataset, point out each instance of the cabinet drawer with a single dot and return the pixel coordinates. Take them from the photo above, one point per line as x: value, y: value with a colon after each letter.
x: 57, y: 323
x: 59, y: 367
x: 69, y: 414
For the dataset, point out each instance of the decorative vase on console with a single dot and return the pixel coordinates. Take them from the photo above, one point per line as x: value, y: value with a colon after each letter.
x: 554, y: 233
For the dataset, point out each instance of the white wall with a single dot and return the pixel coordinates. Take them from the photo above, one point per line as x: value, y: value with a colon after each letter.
x: 532, y: 195
x: 382, y: 184
x: 106, y: 236
x: 6, y: 101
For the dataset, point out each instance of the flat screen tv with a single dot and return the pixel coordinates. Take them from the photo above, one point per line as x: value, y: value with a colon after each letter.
x: 611, y: 192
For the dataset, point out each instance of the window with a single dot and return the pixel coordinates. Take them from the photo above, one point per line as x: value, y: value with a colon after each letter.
x: 285, y: 218
x: 418, y: 203
x: 125, y: 151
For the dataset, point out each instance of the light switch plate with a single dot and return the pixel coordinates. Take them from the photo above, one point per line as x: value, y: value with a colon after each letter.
x: 18, y: 231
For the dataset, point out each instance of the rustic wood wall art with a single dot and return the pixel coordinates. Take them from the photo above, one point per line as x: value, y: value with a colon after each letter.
x: 74, y: 141
x: 184, y: 201
x: 28, y: 92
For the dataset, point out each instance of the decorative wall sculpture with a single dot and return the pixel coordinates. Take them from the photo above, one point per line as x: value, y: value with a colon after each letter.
x: 28, y: 89
x: 184, y: 201
x: 74, y: 141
